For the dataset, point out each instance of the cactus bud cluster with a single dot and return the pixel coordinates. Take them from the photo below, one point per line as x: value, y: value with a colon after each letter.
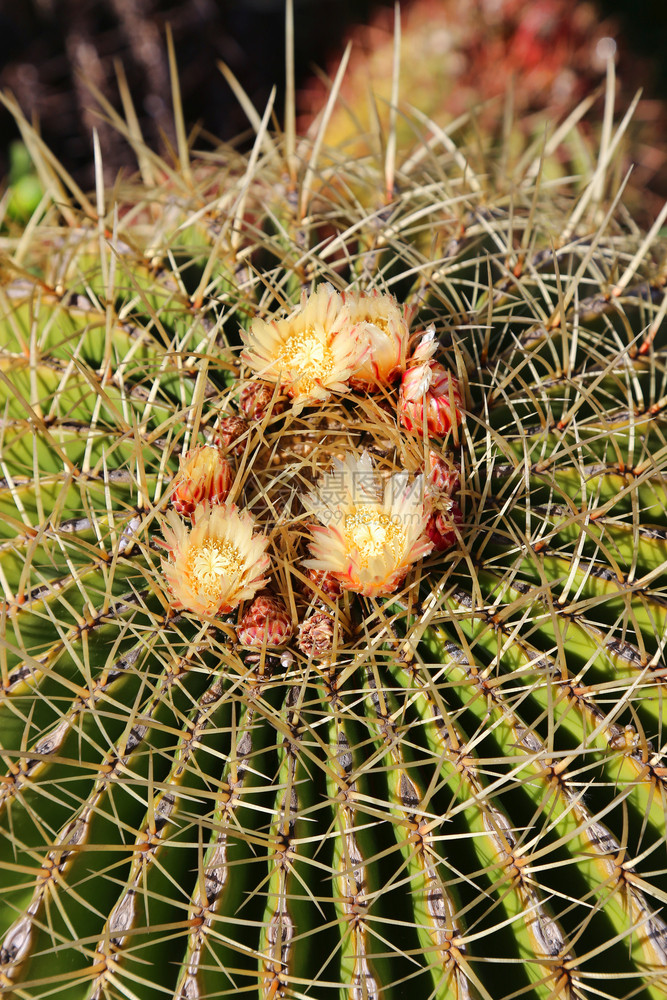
x: 369, y: 533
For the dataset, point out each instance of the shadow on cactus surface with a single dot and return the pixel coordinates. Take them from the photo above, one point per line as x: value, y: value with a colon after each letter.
x: 464, y: 795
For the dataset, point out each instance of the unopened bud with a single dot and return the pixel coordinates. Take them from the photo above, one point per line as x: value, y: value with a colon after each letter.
x: 324, y: 581
x: 316, y: 635
x: 441, y: 477
x: 256, y: 398
x: 266, y: 622
x: 443, y: 511
x: 229, y: 430
x: 204, y: 476
x: 429, y: 395
x: 444, y: 515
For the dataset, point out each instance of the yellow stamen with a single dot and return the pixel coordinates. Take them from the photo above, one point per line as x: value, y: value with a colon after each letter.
x: 210, y: 563
x: 381, y: 322
x: 308, y: 359
x: 370, y: 530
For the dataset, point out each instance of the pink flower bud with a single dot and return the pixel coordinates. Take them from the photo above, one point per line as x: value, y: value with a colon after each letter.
x: 266, y: 621
x: 442, y: 510
x: 441, y: 521
x: 325, y: 581
x: 255, y: 400
x: 204, y: 476
x: 316, y: 635
x: 429, y: 394
x: 441, y: 477
x: 230, y: 429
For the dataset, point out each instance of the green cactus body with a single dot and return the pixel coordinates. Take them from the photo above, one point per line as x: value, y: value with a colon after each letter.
x: 464, y: 798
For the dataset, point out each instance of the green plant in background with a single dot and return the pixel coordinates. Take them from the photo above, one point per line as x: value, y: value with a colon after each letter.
x: 444, y: 784
x: 25, y: 191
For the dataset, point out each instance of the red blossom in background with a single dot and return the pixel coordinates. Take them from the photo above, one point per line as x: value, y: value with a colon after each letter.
x: 460, y: 56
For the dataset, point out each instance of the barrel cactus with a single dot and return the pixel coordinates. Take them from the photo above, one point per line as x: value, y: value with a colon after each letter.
x: 247, y: 751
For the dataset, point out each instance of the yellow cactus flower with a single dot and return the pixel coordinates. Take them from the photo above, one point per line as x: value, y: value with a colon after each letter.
x: 217, y: 563
x: 383, y: 328
x: 369, y: 536
x: 311, y: 353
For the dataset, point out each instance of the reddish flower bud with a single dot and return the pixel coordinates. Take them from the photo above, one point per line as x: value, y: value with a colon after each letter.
x: 255, y: 400
x: 266, y: 621
x: 440, y: 525
x: 429, y: 394
x: 229, y: 430
x: 204, y: 476
x: 326, y: 582
x: 440, y: 476
x: 316, y: 635
x: 442, y: 510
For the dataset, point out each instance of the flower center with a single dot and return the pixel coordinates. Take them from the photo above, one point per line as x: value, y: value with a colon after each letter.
x: 371, y: 530
x: 210, y: 563
x: 380, y: 322
x: 308, y: 359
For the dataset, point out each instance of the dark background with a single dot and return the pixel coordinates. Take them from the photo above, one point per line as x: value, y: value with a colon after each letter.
x: 50, y: 50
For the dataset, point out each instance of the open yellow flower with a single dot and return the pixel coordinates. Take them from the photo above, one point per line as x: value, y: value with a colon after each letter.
x: 311, y: 353
x: 369, y: 536
x: 217, y: 563
x: 383, y: 328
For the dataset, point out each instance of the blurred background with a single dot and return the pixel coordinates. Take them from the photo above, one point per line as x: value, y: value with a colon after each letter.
x: 455, y: 54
